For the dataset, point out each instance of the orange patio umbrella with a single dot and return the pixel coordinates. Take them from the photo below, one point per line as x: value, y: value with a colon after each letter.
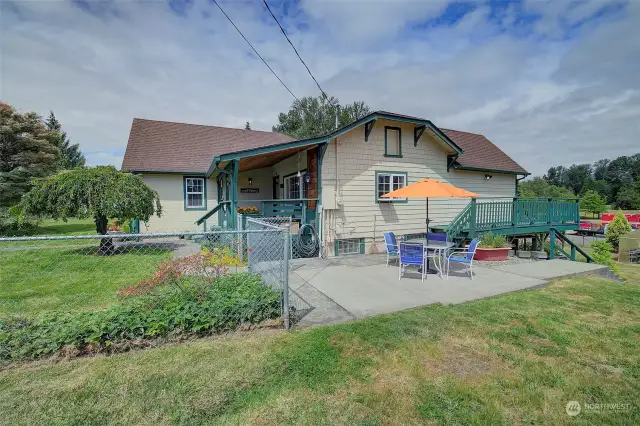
x: 430, y: 188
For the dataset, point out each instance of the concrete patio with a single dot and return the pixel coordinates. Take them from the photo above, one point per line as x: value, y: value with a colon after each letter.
x: 342, y: 289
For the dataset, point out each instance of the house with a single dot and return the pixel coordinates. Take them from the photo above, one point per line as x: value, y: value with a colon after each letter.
x: 334, y: 182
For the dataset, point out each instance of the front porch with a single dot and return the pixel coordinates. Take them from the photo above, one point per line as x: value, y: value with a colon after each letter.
x: 275, y: 183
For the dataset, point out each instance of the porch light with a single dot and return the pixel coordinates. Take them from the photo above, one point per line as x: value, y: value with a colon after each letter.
x: 487, y: 177
x: 250, y: 182
x: 307, y: 178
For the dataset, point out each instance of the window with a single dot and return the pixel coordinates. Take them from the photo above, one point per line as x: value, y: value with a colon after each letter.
x: 349, y: 246
x: 392, y: 142
x: 194, y: 193
x: 387, y: 182
x: 292, y: 186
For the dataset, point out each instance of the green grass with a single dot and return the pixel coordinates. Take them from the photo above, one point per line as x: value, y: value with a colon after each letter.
x: 71, y: 227
x: 67, y: 274
x: 513, y: 359
x: 40, y: 279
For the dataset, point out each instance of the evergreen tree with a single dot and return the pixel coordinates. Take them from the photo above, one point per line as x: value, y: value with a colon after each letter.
x: 70, y: 154
x: 27, y: 151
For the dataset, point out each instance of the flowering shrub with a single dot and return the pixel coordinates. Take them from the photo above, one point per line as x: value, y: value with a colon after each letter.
x: 248, y: 210
x: 205, y: 267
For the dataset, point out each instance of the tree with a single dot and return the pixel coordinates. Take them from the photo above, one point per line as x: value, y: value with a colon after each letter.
x: 539, y: 187
x: 556, y: 176
x: 628, y: 197
x: 600, y: 168
x: 70, y: 154
x: 247, y: 126
x: 576, y: 175
x: 592, y: 202
x: 27, y: 151
x: 311, y: 117
x: 600, y: 186
x: 618, y: 227
x: 101, y: 192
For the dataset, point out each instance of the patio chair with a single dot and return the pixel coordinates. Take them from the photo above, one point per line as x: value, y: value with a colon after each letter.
x: 463, y: 256
x: 411, y: 254
x: 391, y: 245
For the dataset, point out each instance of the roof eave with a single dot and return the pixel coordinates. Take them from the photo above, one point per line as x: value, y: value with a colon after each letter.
x: 488, y: 170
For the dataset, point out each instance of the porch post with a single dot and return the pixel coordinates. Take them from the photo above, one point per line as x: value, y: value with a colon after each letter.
x: 234, y: 193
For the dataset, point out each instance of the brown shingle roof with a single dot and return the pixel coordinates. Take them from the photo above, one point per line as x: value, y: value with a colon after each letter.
x: 165, y: 146
x: 481, y: 153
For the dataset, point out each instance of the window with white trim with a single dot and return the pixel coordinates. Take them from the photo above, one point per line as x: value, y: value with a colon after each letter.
x: 194, y: 193
x: 292, y: 186
x: 387, y: 182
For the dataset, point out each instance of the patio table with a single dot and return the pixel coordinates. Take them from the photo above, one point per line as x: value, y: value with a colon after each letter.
x: 437, y: 246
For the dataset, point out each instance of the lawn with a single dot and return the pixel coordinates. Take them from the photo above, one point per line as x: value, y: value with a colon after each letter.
x: 68, y: 274
x: 517, y: 358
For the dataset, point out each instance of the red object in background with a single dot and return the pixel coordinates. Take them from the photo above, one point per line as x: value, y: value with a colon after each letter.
x: 633, y: 218
x: 491, y: 254
x: 585, y: 225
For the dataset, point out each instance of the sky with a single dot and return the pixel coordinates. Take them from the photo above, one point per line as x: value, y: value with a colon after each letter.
x: 550, y: 82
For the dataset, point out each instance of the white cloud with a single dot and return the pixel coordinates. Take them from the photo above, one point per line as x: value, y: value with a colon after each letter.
x: 542, y: 96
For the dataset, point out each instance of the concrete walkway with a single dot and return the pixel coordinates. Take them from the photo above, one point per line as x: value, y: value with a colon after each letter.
x: 343, y: 289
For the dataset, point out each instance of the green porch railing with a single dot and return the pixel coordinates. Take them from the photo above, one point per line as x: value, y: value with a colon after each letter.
x: 298, y: 209
x: 514, y: 216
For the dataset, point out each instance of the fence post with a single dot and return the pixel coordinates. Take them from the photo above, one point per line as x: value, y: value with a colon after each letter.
x: 241, y: 226
x: 285, y: 280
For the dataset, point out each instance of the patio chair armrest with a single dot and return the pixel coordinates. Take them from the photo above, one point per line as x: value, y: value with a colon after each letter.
x: 459, y: 252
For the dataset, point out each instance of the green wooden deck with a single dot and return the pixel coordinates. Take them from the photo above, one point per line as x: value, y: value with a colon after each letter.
x: 517, y: 216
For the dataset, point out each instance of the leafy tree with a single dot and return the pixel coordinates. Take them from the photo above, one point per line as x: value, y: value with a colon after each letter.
x: 311, y: 117
x: 70, y: 154
x: 27, y: 151
x: 101, y: 192
x: 617, y: 228
x: 539, y: 187
x: 600, y: 186
x: 592, y: 202
x: 628, y: 197
x: 576, y: 175
x: 556, y: 176
x: 600, y: 168
x: 619, y: 172
x: 247, y: 126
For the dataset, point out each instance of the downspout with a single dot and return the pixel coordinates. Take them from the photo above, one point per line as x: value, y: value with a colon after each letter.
x: 518, y: 180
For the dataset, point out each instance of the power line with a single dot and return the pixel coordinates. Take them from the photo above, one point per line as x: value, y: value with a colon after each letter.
x: 294, y: 49
x: 255, y: 51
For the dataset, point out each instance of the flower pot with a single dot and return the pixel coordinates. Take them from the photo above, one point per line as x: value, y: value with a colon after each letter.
x: 491, y: 254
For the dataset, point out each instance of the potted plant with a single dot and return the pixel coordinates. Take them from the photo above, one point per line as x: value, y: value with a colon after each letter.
x: 492, y: 248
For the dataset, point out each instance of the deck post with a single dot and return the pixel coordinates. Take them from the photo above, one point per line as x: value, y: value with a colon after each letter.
x: 552, y: 244
x: 472, y: 218
x: 514, y: 220
x: 549, y: 211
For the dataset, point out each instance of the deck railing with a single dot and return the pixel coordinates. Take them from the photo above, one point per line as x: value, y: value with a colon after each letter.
x: 515, y: 215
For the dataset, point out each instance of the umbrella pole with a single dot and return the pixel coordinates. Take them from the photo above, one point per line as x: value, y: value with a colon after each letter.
x: 427, y: 223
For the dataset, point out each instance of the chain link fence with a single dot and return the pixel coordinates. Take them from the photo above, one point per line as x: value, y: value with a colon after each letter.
x: 304, y: 239
x: 91, y: 272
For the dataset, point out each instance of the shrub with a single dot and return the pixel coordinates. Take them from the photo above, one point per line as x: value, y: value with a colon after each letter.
x: 602, y: 254
x: 618, y: 227
x: 14, y: 223
x: 489, y: 240
x: 207, y: 309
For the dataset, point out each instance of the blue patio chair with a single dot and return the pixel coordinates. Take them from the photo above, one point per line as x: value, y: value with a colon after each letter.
x: 391, y: 245
x: 464, y: 256
x: 411, y: 254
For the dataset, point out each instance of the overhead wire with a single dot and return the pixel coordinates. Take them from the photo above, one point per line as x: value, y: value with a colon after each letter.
x: 294, y: 49
x: 254, y: 50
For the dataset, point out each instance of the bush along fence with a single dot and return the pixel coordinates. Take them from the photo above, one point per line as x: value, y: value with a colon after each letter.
x: 62, y: 294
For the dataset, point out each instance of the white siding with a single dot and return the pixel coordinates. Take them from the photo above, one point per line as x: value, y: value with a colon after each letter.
x: 174, y: 216
x: 359, y: 216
